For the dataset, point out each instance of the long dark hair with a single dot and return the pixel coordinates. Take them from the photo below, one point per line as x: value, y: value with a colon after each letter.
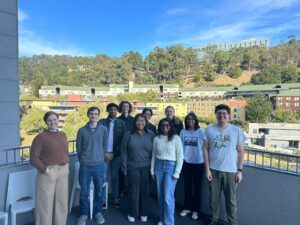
x: 136, y: 118
x: 196, y: 127
x: 172, y: 131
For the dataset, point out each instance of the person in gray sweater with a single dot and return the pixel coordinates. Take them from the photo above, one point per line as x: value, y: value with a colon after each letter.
x: 136, y: 155
x: 91, y: 145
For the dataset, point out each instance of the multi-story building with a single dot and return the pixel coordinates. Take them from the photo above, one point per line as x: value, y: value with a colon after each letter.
x: 288, y: 100
x: 206, y: 108
x: 275, y: 135
x: 243, y: 44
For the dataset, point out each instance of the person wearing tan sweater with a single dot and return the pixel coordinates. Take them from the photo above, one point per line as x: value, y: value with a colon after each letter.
x: 49, y: 155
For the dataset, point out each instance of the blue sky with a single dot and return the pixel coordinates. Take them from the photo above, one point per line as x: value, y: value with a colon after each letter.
x: 112, y: 27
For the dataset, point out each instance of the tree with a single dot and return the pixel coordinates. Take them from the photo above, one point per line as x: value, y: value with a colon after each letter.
x: 209, y: 73
x: 290, y: 74
x: 258, y: 109
x: 133, y: 58
x: 221, y: 61
x: 32, y: 121
x: 250, y: 58
x: 284, y: 117
x: 235, y: 72
x: 270, y: 75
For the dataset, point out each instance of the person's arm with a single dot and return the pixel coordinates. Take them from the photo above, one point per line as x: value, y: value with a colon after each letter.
x: 124, y: 151
x: 179, y: 157
x: 79, y: 144
x: 105, y: 140
x: 154, y: 151
x: 240, y: 162
x: 206, y: 160
x: 240, y: 159
x: 35, y: 152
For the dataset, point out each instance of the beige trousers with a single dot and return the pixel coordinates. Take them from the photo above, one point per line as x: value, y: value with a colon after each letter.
x: 51, y: 196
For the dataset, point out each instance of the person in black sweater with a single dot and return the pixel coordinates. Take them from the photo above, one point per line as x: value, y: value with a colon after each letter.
x: 149, y: 113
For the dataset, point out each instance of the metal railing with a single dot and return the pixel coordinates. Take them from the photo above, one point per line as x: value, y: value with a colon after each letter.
x: 20, y: 155
x: 272, y: 160
x: 252, y: 157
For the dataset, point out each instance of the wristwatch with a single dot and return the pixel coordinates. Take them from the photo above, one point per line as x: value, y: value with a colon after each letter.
x: 240, y: 170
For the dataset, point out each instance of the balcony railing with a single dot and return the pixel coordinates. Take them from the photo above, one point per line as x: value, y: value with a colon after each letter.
x: 252, y: 157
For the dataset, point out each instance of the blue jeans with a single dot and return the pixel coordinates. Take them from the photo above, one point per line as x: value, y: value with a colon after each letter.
x: 86, y: 174
x: 164, y: 171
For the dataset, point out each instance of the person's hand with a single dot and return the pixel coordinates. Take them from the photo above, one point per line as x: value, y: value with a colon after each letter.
x: 153, y: 177
x: 208, y: 175
x: 174, y: 178
x: 238, y: 177
x: 109, y: 156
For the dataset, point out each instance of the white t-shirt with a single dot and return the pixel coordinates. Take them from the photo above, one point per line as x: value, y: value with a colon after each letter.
x: 192, y: 145
x: 222, y: 147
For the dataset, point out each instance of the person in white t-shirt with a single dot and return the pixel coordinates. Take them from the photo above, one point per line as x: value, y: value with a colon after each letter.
x: 223, y: 149
x: 193, y: 165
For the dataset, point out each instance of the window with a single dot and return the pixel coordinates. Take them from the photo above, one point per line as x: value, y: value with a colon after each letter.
x: 296, y: 104
x: 279, y: 98
x: 288, y: 98
x: 296, y: 98
x: 287, y: 104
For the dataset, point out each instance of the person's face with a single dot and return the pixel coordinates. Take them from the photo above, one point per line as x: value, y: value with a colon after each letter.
x: 222, y: 116
x: 112, y: 112
x: 93, y: 116
x: 169, y: 113
x: 140, y: 123
x: 125, y: 108
x: 165, y: 127
x: 191, y: 122
x: 148, y: 115
x: 52, y: 122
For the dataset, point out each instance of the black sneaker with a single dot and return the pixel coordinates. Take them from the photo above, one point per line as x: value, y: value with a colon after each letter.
x: 116, y: 203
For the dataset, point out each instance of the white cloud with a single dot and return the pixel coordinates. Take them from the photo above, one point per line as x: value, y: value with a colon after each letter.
x: 31, y: 43
x: 176, y: 11
x: 22, y: 15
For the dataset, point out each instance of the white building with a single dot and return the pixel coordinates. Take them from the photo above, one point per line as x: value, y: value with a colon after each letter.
x: 275, y: 135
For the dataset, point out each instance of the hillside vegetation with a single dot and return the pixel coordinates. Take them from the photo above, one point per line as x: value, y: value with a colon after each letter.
x: 175, y: 64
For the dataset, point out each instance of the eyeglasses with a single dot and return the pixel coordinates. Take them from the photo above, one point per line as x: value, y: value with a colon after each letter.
x: 165, y: 125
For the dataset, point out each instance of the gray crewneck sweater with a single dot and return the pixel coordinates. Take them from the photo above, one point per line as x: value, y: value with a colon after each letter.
x: 136, y: 150
x: 91, y: 145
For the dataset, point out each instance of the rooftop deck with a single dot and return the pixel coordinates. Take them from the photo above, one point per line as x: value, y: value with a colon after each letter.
x: 268, y: 195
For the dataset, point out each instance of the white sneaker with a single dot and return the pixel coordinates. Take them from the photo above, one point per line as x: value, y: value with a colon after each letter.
x: 194, y: 215
x: 82, y: 220
x: 144, y: 218
x: 160, y: 223
x: 184, y: 212
x: 130, y: 219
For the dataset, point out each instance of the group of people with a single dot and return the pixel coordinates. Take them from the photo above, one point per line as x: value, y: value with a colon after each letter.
x: 131, y: 151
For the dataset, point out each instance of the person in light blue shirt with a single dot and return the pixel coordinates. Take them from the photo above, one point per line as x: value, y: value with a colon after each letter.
x: 116, y: 130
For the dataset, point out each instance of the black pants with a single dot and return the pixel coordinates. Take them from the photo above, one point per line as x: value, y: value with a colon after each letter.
x: 192, y: 175
x: 138, y: 183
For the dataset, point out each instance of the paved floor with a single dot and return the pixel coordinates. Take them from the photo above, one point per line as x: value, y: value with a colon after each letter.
x: 115, y: 216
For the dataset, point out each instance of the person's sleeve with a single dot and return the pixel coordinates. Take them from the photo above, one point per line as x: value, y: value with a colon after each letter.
x: 241, y: 137
x: 182, y: 138
x: 79, y: 144
x: 105, y: 139
x: 179, y: 157
x: 35, y: 152
x: 154, y: 150
x: 124, y: 151
x: 205, y: 135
